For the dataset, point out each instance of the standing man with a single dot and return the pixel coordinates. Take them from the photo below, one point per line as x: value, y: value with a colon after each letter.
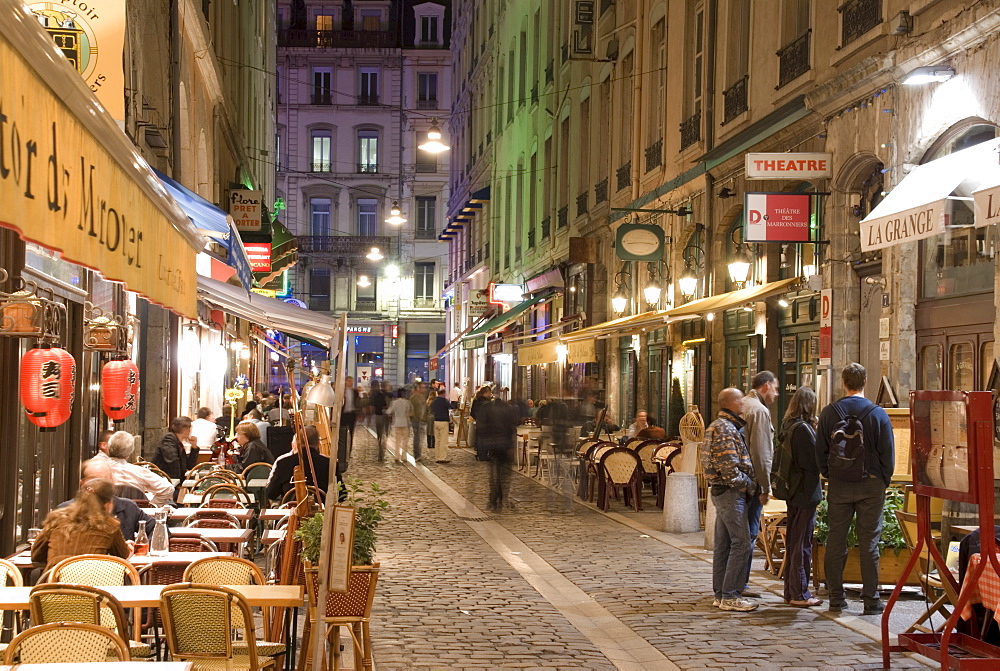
x: 380, y: 401
x: 456, y: 396
x: 855, y: 492
x: 440, y: 411
x: 418, y: 415
x: 759, y: 434
x: 730, y: 477
x: 348, y: 416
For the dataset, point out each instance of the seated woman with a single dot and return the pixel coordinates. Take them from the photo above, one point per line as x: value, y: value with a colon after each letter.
x: 252, y: 450
x: 85, y: 526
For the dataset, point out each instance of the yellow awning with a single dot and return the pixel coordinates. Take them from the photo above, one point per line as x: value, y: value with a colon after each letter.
x: 535, y: 353
x: 581, y: 351
x: 732, y: 299
x: 622, y: 326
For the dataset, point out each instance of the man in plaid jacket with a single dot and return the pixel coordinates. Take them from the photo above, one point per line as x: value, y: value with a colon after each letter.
x: 729, y: 474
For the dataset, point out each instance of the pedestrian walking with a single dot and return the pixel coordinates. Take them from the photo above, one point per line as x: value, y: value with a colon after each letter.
x: 484, y: 396
x: 440, y: 413
x: 729, y: 474
x: 495, y: 433
x: 759, y: 434
x: 399, y: 410
x: 381, y: 398
x: 418, y: 415
x: 798, y: 438
x: 847, y: 427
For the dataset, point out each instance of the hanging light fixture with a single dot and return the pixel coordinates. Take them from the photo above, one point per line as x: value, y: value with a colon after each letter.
x: 653, y: 289
x: 739, y: 268
x: 619, y: 301
x: 688, y: 282
x: 374, y: 255
x: 364, y: 282
x: 433, y: 144
x: 694, y: 261
x: 396, y: 217
x: 322, y: 393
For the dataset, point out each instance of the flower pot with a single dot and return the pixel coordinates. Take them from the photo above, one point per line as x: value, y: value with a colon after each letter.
x: 890, y: 566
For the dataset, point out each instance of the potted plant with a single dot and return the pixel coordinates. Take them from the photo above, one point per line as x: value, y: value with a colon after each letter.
x: 894, y: 554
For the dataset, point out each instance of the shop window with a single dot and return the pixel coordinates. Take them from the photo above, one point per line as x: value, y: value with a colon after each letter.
x: 417, y: 354
x: 961, y: 367
x: 930, y: 368
x: 737, y: 365
x: 986, y: 360
x: 367, y: 216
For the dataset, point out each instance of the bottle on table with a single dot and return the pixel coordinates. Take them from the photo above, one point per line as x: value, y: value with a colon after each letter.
x: 141, y: 540
x: 160, y: 544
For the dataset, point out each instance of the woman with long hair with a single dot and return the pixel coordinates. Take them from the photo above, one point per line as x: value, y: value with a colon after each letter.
x: 85, y: 526
x: 799, y: 429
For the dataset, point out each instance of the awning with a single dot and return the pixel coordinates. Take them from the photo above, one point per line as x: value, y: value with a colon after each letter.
x: 268, y: 313
x: 918, y: 206
x: 532, y: 354
x: 580, y: 351
x: 465, y: 215
x: 703, y: 306
x: 502, y: 320
x: 105, y: 210
x: 454, y: 341
x: 621, y: 326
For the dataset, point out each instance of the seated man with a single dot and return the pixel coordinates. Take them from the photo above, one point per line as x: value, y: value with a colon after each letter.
x: 280, y: 481
x: 120, y: 447
x: 102, y: 444
x: 640, y: 423
x: 129, y: 515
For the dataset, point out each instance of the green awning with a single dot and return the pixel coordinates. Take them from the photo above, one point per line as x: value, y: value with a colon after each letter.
x: 502, y: 320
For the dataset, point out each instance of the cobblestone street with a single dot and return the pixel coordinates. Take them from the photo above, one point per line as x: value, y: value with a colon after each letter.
x: 556, y: 584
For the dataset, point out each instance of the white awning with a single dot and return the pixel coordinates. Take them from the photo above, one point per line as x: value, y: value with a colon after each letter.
x: 267, y: 312
x: 917, y: 207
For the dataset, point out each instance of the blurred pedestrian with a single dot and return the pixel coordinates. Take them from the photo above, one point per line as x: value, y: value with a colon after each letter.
x: 381, y: 398
x: 440, y: 411
x: 495, y: 433
x: 399, y: 410
x: 418, y: 416
x: 484, y: 396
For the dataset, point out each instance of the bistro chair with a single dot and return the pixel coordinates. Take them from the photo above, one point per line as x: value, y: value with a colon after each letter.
x: 352, y: 610
x: 199, y: 621
x: 95, y: 570
x: 588, y: 467
x: 167, y: 572
x: 212, y: 519
x: 225, y: 491
x: 222, y: 503
x: 11, y: 576
x: 200, y: 470
x: 645, y: 451
x: 595, y: 476
x: 66, y: 643
x: 209, y: 481
x: 257, y: 471
x: 192, y: 544
x: 58, y: 602
x: 621, y: 470
x: 289, y: 497
x: 156, y: 469
x: 664, y: 456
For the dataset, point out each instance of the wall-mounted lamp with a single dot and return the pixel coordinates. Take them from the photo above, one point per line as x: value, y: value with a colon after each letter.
x: 739, y: 266
x: 694, y: 263
x: 396, y: 217
x: 434, y: 144
x: 726, y: 192
x: 783, y: 302
x: 653, y: 289
x: 681, y: 211
x: 619, y: 301
x: 785, y: 263
x: 364, y: 282
x: 374, y: 255
x: 929, y: 74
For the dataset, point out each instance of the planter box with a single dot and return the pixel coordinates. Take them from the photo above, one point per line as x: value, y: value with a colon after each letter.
x: 890, y: 566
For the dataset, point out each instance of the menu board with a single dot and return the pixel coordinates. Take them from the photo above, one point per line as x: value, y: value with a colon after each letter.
x: 940, y: 445
x: 900, y: 419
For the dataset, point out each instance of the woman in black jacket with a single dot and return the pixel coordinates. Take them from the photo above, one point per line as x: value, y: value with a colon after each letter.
x: 252, y: 450
x: 799, y: 427
x: 170, y: 456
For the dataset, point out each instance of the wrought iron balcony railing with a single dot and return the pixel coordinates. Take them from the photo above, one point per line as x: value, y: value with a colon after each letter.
x: 857, y: 18
x: 654, y: 155
x: 734, y: 99
x: 337, y: 39
x: 581, y: 203
x: 691, y: 130
x: 367, y: 167
x: 428, y: 104
x: 322, y: 98
x: 563, y: 217
x: 546, y: 226
x: 793, y: 59
x: 624, y: 175
x: 347, y: 245
x: 601, y: 191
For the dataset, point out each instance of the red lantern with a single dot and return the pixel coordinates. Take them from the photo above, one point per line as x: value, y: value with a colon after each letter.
x: 119, y: 389
x: 48, y: 386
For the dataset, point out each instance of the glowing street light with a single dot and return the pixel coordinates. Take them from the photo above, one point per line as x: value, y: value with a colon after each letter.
x: 434, y: 144
x: 374, y: 255
x: 364, y: 282
x: 395, y: 215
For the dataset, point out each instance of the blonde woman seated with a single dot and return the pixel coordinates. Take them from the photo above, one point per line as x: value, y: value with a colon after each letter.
x: 85, y: 526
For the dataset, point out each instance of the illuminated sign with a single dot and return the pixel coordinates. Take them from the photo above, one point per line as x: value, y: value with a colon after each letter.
x: 259, y: 254
x: 245, y: 208
x: 505, y: 294
x: 789, y: 166
x: 778, y: 217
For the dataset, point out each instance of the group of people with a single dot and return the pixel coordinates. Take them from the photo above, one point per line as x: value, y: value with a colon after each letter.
x: 737, y: 456
x: 423, y: 411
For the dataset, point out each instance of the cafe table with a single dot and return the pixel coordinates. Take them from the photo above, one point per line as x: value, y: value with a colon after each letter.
x: 272, y: 536
x: 115, y: 666
x: 275, y: 514
x: 230, y: 536
x: 986, y: 590
x: 256, y: 483
x: 242, y: 515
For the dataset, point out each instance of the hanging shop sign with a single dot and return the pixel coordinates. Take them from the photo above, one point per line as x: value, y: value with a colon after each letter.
x: 270, y: 293
x: 505, y: 294
x: 494, y: 346
x: 546, y: 351
x: 244, y: 206
x: 987, y: 206
x: 238, y: 258
x: 474, y: 343
x: 70, y: 182
x: 91, y: 35
x: 789, y: 166
x: 825, y: 327
x: 778, y: 217
x: 581, y: 351
x: 259, y: 254
x: 550, y: 278
x: 477, y: 307
x: 639, y: 242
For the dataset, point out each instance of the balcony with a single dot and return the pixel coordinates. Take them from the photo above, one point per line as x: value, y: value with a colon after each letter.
x: 429, y: 104
x: 324, y: 98
x: 601, y: 191
x: 517, y: 253
x: 562, y: 217
x: 793, y: 59
x: 857, y: 18
x: 506, y: 259
x: 425, y: 234
x: 654, y: 155
x: 320, y: 166
x: 365, y: 305
x: 691, y: 130
x: 424, y: 303
x: 427, y: 166
x: 337, y: 39
x: 531, y: 237
x: 624, y: 175
x: 734, y: 100
x: 367, y: 168
x: 549, y: 72
x: 346, y: 245
x: 546, y: 225
x: 368, y: 99
x: 581, y: 203
x: 534, y: 94
x: 479, y: 255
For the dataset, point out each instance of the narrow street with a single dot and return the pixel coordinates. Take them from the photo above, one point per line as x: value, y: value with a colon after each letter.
x: 556, y: 584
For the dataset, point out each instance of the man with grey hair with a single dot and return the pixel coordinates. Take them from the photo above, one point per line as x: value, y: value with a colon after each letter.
x: 759, y: 434
x: 856, y: 493
x: 123, y: 474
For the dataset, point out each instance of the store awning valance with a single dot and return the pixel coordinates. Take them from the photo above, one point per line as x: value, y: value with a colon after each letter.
x: 732, y: 299
x: 581, y: 351
x: 918, y: 206
x: 621, y: 326
x: 105, y: 209
x: 505, y: 318
x: 532, y: 354
x: 269, y: 313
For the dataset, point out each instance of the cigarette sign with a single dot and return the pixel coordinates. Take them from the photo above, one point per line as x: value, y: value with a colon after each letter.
x: 789, y: 166
x: 778, y: 217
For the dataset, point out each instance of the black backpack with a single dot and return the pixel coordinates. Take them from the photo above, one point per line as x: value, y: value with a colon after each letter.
x: 785, y: 478
x: 847, y: 461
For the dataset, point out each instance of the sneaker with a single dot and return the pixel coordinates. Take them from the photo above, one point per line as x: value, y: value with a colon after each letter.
x: 873, y: 608
x: 749, y: 593
x: 837, y: 606
x: 738, y: 604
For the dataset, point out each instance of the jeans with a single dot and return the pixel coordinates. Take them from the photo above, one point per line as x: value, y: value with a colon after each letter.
x: 754, y: 506
x: 440, y: 441
x: 381, y: 433
x: 500, y: 469
x: 418, y: 430
x: 865, y: 499
x: 732, y: 543
x: 798, y: 552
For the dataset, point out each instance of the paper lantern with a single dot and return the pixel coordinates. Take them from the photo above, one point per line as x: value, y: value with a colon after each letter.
x: 48, y: 386
x: 119, y: 389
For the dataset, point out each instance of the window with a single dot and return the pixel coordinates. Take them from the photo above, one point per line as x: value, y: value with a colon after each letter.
x: 696, y: 53
x: 429, y: 29
x: 365, y: 296
x: 368, y: 86
x: 426, y: 212
x: 423, y: 281
x: 418, y: 347
x: 426, y: 160
x: 322, y: 91
x: 368, y: 151
x: 427, y: 90
x: 319, y: 289
x: 322, y: 151
x: 324, y: 22
x: 319, y: 216
x: 658, y: 78
x: 367, y: 216
x: 371, y: 19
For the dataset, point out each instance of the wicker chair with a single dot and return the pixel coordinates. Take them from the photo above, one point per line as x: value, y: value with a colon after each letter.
x: 222, y: 503
x: 57, y: 602
x: 95, y: 570
x: 225, y: 491
x: 209, y: 481
x: 227, y: 520
x: 256, y: 471
x: 199, y: 622
x: 200, y: 471
x: 163, y: 573
x: 664, y: 456
x: 352, y: 610
x: 595, y: 476
x: 621, y: 469
x: 11, y: 576
x: 192, y: 544
x: 234, y: 571
x: 66, y: 643
x: 645, y: 450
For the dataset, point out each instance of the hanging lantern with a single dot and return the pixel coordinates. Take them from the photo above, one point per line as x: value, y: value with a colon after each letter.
x: 48, y: 385
x: 30, y: 311
x: 119, y: 388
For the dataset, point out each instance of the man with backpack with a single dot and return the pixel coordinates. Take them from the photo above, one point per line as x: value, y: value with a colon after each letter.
x: 759, y: 433
x: 856, y: 454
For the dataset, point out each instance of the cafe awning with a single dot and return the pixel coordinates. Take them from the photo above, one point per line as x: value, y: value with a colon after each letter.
x: 532, y: 354
x: 732, y: 299
x: 918, y: 206
x: 106, y: 210
x: 501, y: 320
x: 653, y: 319
x: 269, y: 313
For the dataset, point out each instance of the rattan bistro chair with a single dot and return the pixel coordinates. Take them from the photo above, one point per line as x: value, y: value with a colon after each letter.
x: 58, y: 602
x: 199, y: 623
x: 351, y: 610
x: 226, y: 491
x: 66, y: 643
x: 11, y: 575
x: 96, y: 570
x: 257, y: 471
x: 621, y: 469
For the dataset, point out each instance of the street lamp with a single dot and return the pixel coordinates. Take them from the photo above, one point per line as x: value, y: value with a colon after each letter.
x: 929, y: 74
x: 693, y: 260
x: 363, y: 282
x: 321, y: 393
x: 739, y: 267
x: 653, y: 289
x: 434, y: 144
x: 619, y: 301
x: 396, y: 217
x: 374, y: 255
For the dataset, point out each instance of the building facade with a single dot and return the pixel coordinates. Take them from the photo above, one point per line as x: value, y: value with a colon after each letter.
x: 361, y: 84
